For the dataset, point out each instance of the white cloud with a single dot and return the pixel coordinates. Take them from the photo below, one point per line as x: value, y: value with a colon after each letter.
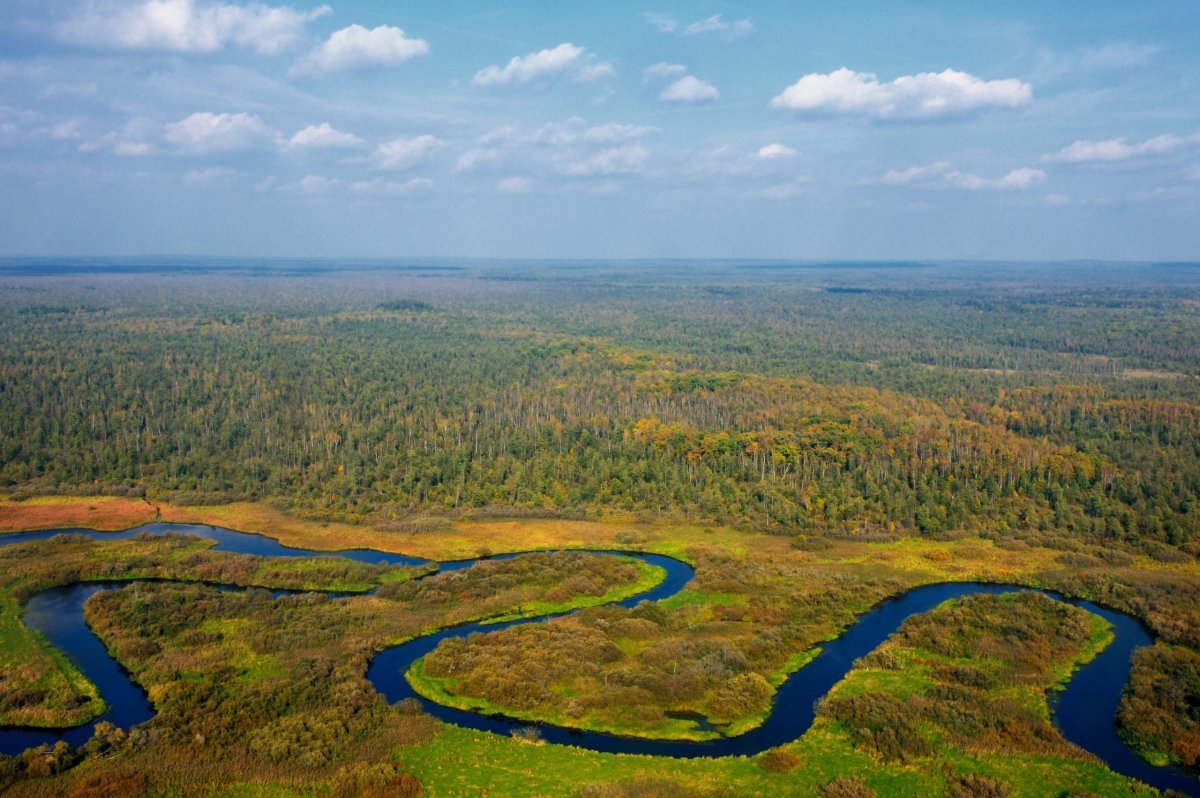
x: 318, y: 185
x: 1115, y: 56
x: 406, y: 153
x: 573, y: 130
x: 769, y: 163
x: 189, y: 26
x: 772, y: 151
x: 613, y: 133
x: 710, y: 25
x: 928, y: 95
x: 743, y: 27
x: 1120, y: 150
x: 479, y: 157
x: 942, y: 175
x: 717, y: 24
x: 418, y: 185
x: 206, y: 132
x: 782, y: 191
x: 1018, y: 179
x: 203, y: 178
x: 565, y: 60
x: 323, y: 137
x: 515, y: 185
x: 913, y: 174
x: 557, y: 149
x: 73, y: 91
x: 1092, y: 60
x: 133, y: 140
x: 556, y: 133
x: 627, y: 160
x: 132, y: 148
x: 66, y: 131
x: 662, y: 72
x: 664, y: 22
x: 595, y: 71
x: 356, y: 46
x: 689, y: 89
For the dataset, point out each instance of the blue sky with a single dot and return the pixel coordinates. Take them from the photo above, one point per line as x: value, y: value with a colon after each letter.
x: 1012, y: 130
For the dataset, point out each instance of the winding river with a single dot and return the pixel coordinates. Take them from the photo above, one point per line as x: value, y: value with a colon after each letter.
x: 1084, y: 711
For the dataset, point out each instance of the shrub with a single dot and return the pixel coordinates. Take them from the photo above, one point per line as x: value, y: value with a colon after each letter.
x: 778, y: 760
x: 110, y: 784
x: 847, y: 787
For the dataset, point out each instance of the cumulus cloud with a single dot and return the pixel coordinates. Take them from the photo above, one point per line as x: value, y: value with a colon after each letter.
x: 206, y: 132
x: 322, y: 137
x: 189, y: 26
x: 943, y: 175
x: 773, y: 151
x: 689, y: 89
x: 356, y: 46
x: 1120, y: 150
x: 406, y: 153
x: 680, y: 87
x: 929, y: 95
x: 565, y: 60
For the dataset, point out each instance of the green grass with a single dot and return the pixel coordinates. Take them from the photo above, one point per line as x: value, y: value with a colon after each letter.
x: 687, y: 597
x: 301, y: 573
x: 649, y: 577
x: 26, y: 657
x: 442, y: 691
x: 460, y: 762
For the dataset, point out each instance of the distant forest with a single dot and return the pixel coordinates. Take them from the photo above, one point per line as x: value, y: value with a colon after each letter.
x: 806, y: 399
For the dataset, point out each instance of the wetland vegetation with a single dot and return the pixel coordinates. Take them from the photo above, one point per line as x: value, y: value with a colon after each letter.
x: 812, y: 440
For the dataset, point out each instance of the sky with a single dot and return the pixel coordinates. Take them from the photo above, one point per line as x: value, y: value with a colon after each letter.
x: 537, y: 129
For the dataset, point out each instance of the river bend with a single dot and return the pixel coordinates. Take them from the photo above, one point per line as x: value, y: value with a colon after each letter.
x: 1084, y: 711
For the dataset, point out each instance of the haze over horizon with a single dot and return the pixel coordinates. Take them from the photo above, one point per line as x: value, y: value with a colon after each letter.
x: 665, y: 130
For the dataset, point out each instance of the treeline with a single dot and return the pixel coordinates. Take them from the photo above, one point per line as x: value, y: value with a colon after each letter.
x: 770, y: 405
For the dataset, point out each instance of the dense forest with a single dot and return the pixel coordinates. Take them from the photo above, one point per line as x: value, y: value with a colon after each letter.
x: 867, y: 399
x: 811, y: 439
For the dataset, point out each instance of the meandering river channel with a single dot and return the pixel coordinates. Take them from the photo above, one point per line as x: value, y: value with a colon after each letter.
x: 1084, y: 711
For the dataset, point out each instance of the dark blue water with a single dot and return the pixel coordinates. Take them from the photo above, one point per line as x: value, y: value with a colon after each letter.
x: 227, y: 540
x: 58, y: 614
x: 1084, y: 711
